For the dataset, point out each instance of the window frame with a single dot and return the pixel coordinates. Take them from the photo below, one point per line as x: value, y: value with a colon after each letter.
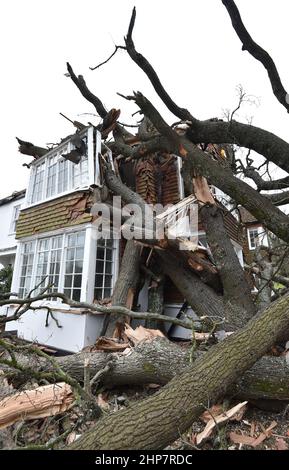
x: 262, y: 236
x: 250, y: 231
x: 93, y: 143
x: 14, y: 220
x: 88, y: 267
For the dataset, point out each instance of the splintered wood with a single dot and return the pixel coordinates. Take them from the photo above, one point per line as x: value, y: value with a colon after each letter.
x: 41, y: 402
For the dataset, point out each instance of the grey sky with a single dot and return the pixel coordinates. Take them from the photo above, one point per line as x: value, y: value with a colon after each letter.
x: 190, y: 43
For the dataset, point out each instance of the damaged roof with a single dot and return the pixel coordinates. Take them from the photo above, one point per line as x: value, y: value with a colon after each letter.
x: 246, y: 217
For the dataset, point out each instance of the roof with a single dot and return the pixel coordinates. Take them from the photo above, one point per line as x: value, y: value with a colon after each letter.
x: 13, y: 197
x: 246, y: 217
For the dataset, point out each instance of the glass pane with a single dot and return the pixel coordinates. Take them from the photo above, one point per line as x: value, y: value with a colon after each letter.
x: 69, y: 267
x: 106, y: 293
x: 98, y: 280
x: 108, y: 267
x: 100, y: 253
x: 67, y: 292
x: 68, y: 281
x: 79, y: 253
x: 99, y: 267
x: 109, y: 254
x: 23, y: 271
x: 71, y: 239
x: 80, y: 238
x: 97, y: 293
x: 107, y: 281
x: 76, y: 295
x: 77, y: 281
x: 70, y: 254
x: 30, y: 259
x: 78, y: 267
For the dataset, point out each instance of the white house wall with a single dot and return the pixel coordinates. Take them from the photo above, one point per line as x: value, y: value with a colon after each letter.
x: 8, y: 243
x: 31, y: 327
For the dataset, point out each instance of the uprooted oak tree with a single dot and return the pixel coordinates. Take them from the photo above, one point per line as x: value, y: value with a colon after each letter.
x: 220, y: 295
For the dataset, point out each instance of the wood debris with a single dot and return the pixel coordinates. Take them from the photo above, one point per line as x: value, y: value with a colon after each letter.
x: 108, y: 345
x: 231, y: 414
x: 140, y: 334
x: 41, y: 402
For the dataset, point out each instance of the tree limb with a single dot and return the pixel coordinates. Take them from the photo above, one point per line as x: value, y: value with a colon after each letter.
x: 222, y: 177
x: 86, y: 93
x: 258, y: 53
x: 143, y: 63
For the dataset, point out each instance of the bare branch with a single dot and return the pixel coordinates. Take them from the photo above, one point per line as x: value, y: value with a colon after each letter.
x: 110, y: 57
x: 93, y: 309
x: 263, y: 185
x: 27, y: 148
x: 144, y: 64
x: 257, y: 52
x: 279, y: 199
x: 86, y: 93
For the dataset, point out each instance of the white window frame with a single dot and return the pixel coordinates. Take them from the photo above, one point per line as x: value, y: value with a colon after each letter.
x: 88, y: 267
x: 93, y: 141
x: 262, y: 237
x: 15, y: 215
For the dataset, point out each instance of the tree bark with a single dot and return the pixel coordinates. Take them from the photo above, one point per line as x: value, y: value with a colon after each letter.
x: 157, y: 421
x: 161, y: 360
x: 156, y: 302
x: 126, y: 285
x: 264, y: 281
x: 202, y: 298
x: 237, y: 293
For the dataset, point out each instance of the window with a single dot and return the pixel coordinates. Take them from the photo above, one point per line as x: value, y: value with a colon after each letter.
x: 51, y: 176
x: 26, y: 269
x: 74, y: 265
x: 55, y: 175
x: 253, y: 237
x: 58, y: 261
x: 48, y: 261
x: 62, y: 175
x: 104, y: 269
x: 38, y: 183
x: 15, y: 216
x: 80, y: 173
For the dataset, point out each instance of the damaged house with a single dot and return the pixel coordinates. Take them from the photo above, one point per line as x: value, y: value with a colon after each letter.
x: 57, y: 245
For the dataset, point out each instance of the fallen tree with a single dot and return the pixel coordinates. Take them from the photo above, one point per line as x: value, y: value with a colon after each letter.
x: 228, y: 367
x: 160, y: 361
x: 159, y: 420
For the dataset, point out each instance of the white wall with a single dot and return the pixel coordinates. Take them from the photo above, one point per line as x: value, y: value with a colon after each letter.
x: 7, y: 237
x: 76, y: 332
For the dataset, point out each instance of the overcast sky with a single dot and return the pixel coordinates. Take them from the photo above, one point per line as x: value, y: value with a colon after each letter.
x: 190, y: 43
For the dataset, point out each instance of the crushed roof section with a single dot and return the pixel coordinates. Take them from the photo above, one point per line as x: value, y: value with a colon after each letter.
x: 246, y: 217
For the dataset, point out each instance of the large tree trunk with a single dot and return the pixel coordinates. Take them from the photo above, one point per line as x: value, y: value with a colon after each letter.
x: 202, y: 298
x: 238, y: 301
x: 161, y: 360
x: 126, y: 285
x: 159, y: 420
